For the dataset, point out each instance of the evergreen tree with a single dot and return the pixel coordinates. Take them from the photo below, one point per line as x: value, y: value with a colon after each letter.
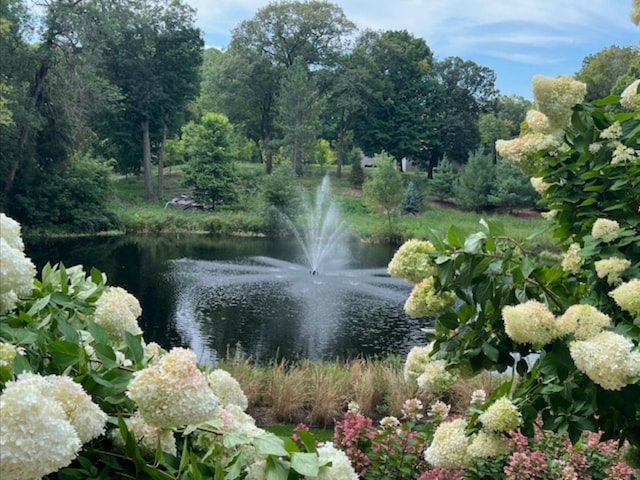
x: 511, y: 188
x: 476, y: 182
x: 412, y: 202
x: 444, y: 180
x: 357, y: 173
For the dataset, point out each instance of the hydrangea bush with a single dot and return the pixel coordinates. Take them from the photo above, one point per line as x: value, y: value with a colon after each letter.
x: 83, y: 396
x: 567, y: 330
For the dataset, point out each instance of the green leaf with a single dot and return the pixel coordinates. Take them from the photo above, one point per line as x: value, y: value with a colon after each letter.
x: 455, y: 237
x: 308, y: 440
x: 305, y: 464
x: 270, y: 444
x: 63, y: 300
x: 98, y: 333
x: 474, y: 242
x: 39, y: 305
x: 106, y: 355
x: 490, y: 351
x: 135, y: 347
x: 69, y: 332
x: 64, y: 353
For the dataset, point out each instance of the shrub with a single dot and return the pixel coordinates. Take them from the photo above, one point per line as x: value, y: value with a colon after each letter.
x: 475, y: 182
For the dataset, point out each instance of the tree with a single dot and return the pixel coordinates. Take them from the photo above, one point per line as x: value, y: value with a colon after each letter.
x: 512, y: 109
x: 475, y: 182
x: 298, y: 111
x: 151, y: 51
x: 491, y: 129
x: 444, y: 180
x: 469, y: 90
x: 601, y: 71
x: 400, y: 97
x: 412, y: 201
x: 268, y: 44
x: 384, y: 189
x: 210, y: 170
x: 511, y: 188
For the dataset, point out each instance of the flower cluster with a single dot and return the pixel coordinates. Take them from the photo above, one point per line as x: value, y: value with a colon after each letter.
x: 117, y: 312
x: 522, y: 151
x: 147, y: 436
x: 173, y: 391
x: 17, y: 272
x: 412, y: 261
x: 354, y: 434
x: 627, y: 296
x: 501, y: 416
x: 572, y: 261
x: 430, y: 375
x: 583, y: 321
x: 45, y: 421
x: 555, y: 97
x: 425, y: 300
x: 227, y: 389
x: 530, y: 322
x: 630, y: 97
x: 336, y: 464
x: 606, y: 358
x: 611, y: 268
x: 605, y: 230
x: 449, y: 446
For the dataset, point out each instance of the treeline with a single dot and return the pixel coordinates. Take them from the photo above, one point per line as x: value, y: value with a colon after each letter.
x: 89, y: 87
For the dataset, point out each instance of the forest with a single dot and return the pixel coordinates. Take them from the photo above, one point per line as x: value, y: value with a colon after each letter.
x: 93, y: 89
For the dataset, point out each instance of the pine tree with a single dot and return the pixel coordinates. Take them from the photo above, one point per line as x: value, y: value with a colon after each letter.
x: 476, y: 182
x: 444, y: 180
x: 412, y: 202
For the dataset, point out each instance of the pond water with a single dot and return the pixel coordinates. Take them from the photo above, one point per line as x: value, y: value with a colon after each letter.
x: 251, y: 296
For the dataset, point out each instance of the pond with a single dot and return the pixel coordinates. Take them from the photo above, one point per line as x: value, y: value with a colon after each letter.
x: 251, y: 296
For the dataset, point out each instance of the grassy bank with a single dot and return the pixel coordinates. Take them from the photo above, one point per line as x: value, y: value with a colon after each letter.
x: 246, y: 217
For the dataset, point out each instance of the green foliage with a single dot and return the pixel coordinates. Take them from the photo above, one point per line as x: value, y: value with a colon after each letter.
x: 279, y: 196
x: 413, y: 200
x: 384, y: 189
x: 210, y: 168
x: 444, y: 181
x: 594, y: 181
x: 511, y: 188
x: 356, y: 175
x: 476, y: 182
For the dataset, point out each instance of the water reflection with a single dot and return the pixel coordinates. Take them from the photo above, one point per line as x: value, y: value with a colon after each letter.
x: 211, y: 295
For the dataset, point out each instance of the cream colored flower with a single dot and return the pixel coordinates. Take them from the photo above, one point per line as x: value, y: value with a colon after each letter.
x: 487, y: 445
x: 439, y: 409
x: 425, y: 301
x: 147, y: 436
x: 522, y: 151
x: 630, y: 97
x: 227, y: 389
x: 501, y: 416
x: 612, y: 132
x: 530, y: 322
x: 173, y: 391
x: 7, y: 354
x: 16, y: 275
x: 538, y: 122
x: 449, y: 446
x: 337, y: 464
x: 607, y: 359
x: 627, y: 296
x: 605, y: 230
x: 555, y: 97
x: 583, y: 321
x: 412, y: 261
x: 611, y: 268
x: 478, y: 397
x: 436, y: 378
x: 117, y: 312
x: 539, y: 185
x: 571, y: 260
x: 624, y: 154
x: 417, y: 359
x: 36, y: 436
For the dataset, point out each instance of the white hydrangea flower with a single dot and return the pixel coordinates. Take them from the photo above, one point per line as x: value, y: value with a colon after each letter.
x: 611, y: 268
x: 630, y: 97
x: 10, y: 231
x: 556, y: 97
x: 436, y: 378
x: 117, y: 312
x: 538, y: 122
x: 36, y: 437
x: 390, y: 422
x: 623, y: 154
x: 501, y: 416
x: 227, y: 389
x: 425, y: 301
x: 478, y: 397
x: 627, y: 296
x: 439, y: 409
x: 16, y: 275
x: 412, y: 261
x: 487, y: 445
x: 173, y: 391
x: 85, y: 416
x: 584, y: 321
x: 412, y: 409
x: 612, y: 132
x: 605, y: 229
x: 521, y: 151
x: 607, y: 359
x: 7, y: 354
x: 594, y: 148
x: 530, y: 322
x: 340, y: 469
x: 449, y: 446
x: 147, y: 436
x: 417, y: 359
x: 571, y: 260
x: 539, y: 185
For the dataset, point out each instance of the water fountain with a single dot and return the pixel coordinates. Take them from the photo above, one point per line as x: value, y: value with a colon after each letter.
x: 311, y: 300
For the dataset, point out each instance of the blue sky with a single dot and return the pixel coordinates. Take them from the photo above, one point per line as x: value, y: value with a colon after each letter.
x: 516, y: 38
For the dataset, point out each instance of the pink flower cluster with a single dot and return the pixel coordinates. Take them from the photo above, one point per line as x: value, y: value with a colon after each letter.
x: 353, y: 435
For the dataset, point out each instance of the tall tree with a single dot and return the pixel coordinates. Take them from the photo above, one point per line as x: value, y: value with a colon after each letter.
x: 469, y: 90
x: 298, y: 112
x: 152, y: 51
x: 315, y: 31
x: 401, y: 96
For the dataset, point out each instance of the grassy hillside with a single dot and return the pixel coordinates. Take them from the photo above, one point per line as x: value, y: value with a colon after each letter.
x: 247, y: 215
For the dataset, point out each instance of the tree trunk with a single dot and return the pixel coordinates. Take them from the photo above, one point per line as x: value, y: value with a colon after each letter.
x: 161, y: 161
x: 146, y: 161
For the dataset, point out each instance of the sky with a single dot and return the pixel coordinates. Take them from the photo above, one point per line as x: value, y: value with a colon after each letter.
x: 517, y: 39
